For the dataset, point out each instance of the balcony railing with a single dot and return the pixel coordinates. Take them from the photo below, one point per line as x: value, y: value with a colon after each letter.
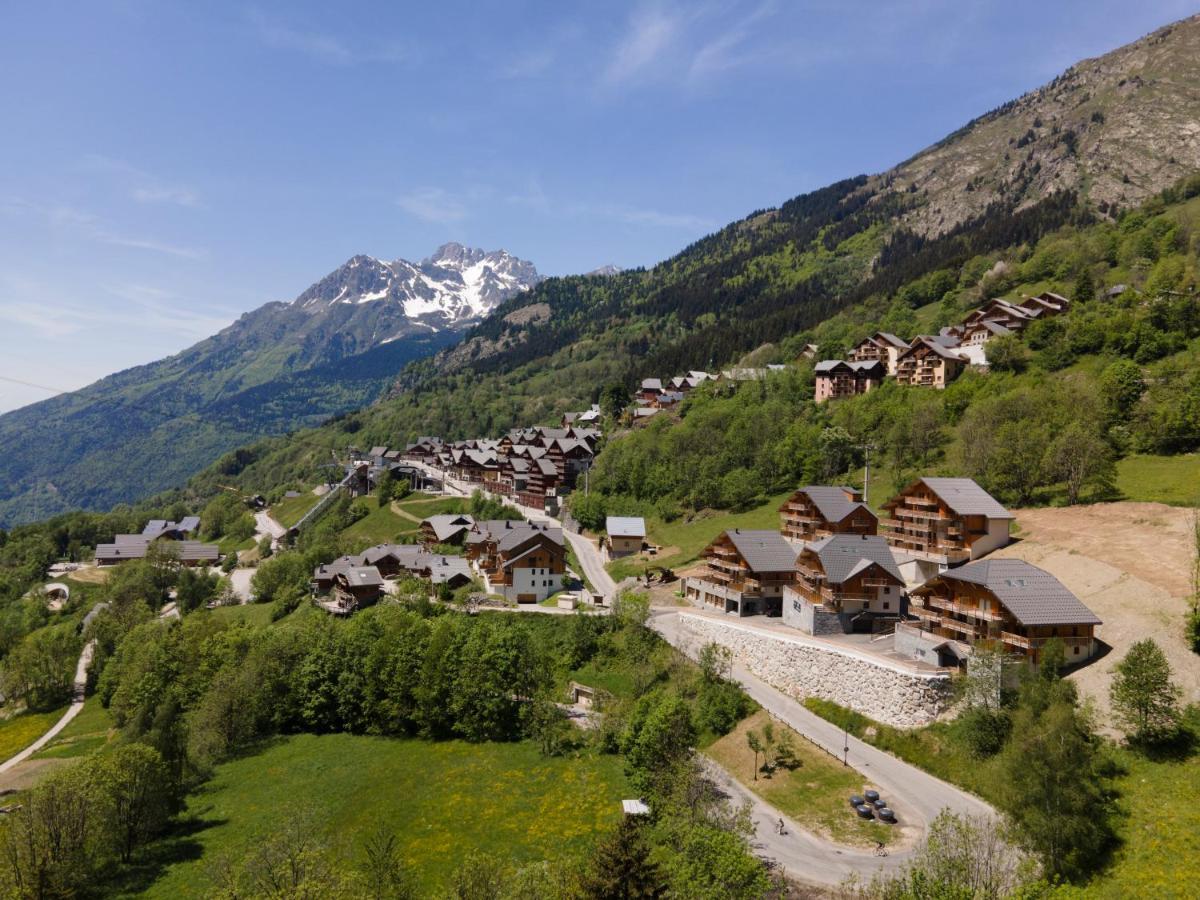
x: 964, y: 609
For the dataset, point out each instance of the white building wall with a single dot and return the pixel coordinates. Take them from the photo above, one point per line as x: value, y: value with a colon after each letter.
x: 997, y: 536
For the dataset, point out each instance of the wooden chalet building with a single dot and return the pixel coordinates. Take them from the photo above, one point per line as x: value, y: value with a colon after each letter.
x: 939, y: 522
x: 837, y: 378
x: 1008, y: 602
x: 818, y: 511
x: 844, y: 583
x: 882, y: 347
x: 649, y: 389
x: 540, y: 489
x: 175, y: 536
x: 521, y: 561
x: 450, y: 528
x: 354, y: 587
x: 745, y: 572
x: 930, y: 362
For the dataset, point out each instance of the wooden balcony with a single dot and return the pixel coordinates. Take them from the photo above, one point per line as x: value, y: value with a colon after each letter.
x: 964, y: 609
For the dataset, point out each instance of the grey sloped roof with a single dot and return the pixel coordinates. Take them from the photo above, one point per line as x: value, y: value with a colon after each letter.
x: 517, y: 536
x: 833, y: 501
x: 446, y: 568
x: 1032, y: 595
x: 764, y: 550
x: 967, y: 498
x: 404, y: 554
x: 448, y: 525
x: 828, y: 365
x: 625, y: 526
x: 893, y: 340
x: 363, y: 576
x: 869, y: 366
x: 845, y: 555
x: 652, y: 384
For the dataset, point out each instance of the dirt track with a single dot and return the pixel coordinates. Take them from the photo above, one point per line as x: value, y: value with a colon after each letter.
x: 1130, y: 563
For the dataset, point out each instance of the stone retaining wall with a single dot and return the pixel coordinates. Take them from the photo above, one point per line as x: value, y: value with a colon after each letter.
x: 886, y: 693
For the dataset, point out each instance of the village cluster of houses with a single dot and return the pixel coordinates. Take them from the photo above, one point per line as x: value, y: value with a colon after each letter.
x: 931, y: 360
x: 834, y: 567
x: 655, y: 394
x: 522, y: 562
x: 180, y: 537
x: 535, y: 466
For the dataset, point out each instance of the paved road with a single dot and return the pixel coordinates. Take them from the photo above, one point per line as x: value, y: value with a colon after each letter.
x: 915, y: 795
x: 593, y: 564
x: 265, y: 525
x: 76, y: 707
x: 801, y: 854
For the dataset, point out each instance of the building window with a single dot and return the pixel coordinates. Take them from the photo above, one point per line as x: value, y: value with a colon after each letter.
x: 887, y: 605
x: 1076, y: 649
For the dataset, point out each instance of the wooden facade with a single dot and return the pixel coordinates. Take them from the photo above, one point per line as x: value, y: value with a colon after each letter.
x: 929, y: 363
x: 945, y: 520
x: 1017, y: 612
x: 819, y: 511
x: 744, y: 572
x: 836, y: 378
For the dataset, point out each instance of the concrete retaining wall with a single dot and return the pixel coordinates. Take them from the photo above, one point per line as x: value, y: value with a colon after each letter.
x: 887, y: 693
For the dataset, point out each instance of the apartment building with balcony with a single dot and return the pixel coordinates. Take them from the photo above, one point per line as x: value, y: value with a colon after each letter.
x: 820, y: 510
x: 745, y: 572
x: 844, y: 583
x: 1008, y: 602
x: 941, y: 522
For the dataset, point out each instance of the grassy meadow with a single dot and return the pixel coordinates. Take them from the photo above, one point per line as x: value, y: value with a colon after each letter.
x: 21, y: 730
x: 291, y: 510
x: 441, y: 800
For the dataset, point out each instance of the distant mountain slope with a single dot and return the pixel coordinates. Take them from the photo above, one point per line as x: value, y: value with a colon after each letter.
x: 283, y: 366
x: 987, y: 188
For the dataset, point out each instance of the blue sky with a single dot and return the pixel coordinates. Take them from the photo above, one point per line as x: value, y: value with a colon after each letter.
x: 168, y: 166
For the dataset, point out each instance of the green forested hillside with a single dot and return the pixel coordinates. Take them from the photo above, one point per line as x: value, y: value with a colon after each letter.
x: 1118, y: 375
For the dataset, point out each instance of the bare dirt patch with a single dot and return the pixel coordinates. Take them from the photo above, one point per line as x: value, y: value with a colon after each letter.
x: 89, y: 575
x: 1130, y: 563
x: 26, y: 775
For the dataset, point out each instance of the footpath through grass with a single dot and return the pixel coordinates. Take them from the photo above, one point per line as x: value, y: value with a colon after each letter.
x: 87, y: 733
x: 815, y: 792
x: 21, y: 730
x: 442, y: 801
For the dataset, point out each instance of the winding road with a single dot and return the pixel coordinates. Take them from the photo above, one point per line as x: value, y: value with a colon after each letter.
x: 916, y: 795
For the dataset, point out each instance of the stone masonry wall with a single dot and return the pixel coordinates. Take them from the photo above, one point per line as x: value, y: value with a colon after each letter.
x: 886, y: 693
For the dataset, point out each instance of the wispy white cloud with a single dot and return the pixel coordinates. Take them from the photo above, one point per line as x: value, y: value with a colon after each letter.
x: 154, y: 246
x: 178, y: 196
x: 433, y: 204
x: 654, y: 218
x: 728, y: 49
x: 651, y: 31
x: 144, y: 187
x: 323, y: 46
x: 91, y: 227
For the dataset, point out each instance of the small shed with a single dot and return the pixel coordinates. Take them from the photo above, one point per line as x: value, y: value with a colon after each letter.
x: 626, y: 535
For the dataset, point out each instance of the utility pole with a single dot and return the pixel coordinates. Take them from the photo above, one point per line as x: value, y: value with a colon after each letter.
x: 866, y: 448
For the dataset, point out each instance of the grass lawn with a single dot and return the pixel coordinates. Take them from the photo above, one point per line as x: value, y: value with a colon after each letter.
x: 1160, y: 836
x: 289, y: 511
x: 87, y: 732
x: 380, y: 525
x: 22, y: 730
x: 815, y: 793
x: 440, y: 799
x: 1164, y: 479
x: 682, y: 541
x: 424, y: 505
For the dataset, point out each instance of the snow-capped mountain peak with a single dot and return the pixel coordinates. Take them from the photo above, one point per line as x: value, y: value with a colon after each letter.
x: 452, y: 288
